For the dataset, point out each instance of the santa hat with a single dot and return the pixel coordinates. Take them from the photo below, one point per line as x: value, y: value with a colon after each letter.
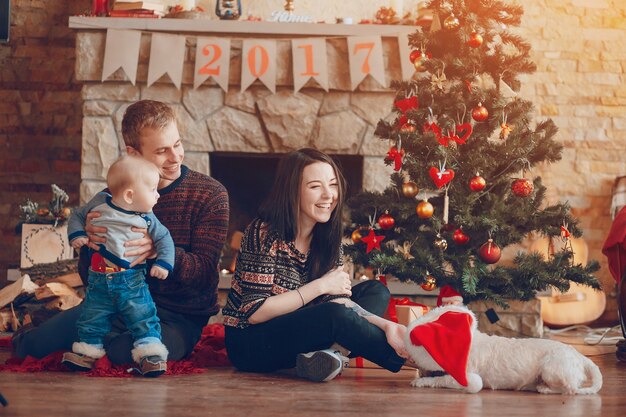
x: 448, y: 295
x: 446, y: 334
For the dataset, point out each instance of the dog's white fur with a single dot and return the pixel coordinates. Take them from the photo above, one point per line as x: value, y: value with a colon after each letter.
x: 496, y: 362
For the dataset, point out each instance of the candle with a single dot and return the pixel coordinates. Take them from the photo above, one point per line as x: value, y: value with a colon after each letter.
x: 397, y: 5
x: 188, y: 4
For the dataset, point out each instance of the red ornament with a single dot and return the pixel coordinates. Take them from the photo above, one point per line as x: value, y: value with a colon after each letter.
x: 429, y: 284
x: 489, y: 252
x: 407, y: 104
x: 480, y: 113
x: 396, y: 156
x: 385, y: 221
x: 522, y: 187
x: 477, y: 183
x: 415, y: 54
x: 418, y: 58
x: 372, y: 241
x: 475, y: 40
x: 441, y: 178
x: 459, y: 237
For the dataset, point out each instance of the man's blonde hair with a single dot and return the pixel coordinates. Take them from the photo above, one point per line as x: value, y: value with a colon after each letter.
x: 129, y: 170
x: 145, y: 114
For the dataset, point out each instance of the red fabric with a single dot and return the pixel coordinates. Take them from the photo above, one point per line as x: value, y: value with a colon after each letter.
x: 448, y: 341
x: 448, y: 294
x: 392, y: 314
x: 615, y: 246
x: 209, y: 352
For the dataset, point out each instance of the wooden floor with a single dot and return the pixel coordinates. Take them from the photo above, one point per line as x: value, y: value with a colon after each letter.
x: 225, y: 392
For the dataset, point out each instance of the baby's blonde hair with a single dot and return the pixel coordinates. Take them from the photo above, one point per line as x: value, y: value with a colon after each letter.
x: 129, y: 171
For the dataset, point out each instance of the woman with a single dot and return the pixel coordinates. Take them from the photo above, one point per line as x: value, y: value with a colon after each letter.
x: 290, y: 300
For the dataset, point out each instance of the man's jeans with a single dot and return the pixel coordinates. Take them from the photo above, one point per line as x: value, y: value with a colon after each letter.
x: 125, y: 293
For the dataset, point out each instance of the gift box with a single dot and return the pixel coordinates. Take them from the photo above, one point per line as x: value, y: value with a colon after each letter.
x: 406, y: 314
x: 360, y: 362
x: 44, y: 243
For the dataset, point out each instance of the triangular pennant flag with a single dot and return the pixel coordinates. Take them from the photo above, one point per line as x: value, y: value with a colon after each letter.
x: 407, y: 67
x: 258, y: 61
x: 167, y: 56
x: 212, y: 60
x: 436, y: 23
x: 506, y: 91
x: 365, y: 54
x: 121, y: 50
x: 309, y: 61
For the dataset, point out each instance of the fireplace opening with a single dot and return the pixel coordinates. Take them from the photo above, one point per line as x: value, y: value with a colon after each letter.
x: 248, y: 178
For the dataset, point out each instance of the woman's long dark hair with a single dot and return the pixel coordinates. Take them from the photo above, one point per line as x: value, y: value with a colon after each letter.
x: 281, y: 210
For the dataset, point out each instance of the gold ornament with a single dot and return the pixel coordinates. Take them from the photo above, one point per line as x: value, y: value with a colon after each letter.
x: 405, y: 250
x: 451, y: 22
x: 438, y: 80
x: 356, y: 235
x: 289, y: 7
x: 410, y: 189
x: 430, y: 283
x: 440, y: 243
x: 424, y: 210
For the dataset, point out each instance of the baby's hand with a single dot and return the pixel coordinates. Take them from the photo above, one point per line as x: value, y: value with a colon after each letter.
x: 158, y: 272
x: 79, y: 242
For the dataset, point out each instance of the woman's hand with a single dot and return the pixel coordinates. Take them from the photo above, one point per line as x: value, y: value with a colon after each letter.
x: 395, y: 337
x: 143, y: 247
x: 336, y: 282
x: 91, y: 231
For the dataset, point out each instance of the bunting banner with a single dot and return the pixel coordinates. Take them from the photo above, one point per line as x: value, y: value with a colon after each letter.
x: 365, y: 54
x: 258, y: 59
x: 121, y: 51
x: 212, y: 60
x: 167, y: 56
x: 309, y: 61
x: 258, y: 62
x: 406, y: 66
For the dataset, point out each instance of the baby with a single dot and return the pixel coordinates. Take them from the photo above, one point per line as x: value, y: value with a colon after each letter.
x: 116, y: 285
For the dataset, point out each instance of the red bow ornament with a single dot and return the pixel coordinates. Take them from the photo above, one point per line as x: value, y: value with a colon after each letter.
x: 396, y: 156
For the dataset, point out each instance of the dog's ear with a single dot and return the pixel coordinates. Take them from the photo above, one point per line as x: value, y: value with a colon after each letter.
x: 447, y: 339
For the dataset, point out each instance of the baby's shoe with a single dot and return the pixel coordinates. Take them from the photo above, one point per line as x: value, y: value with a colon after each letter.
x: 152, y: 366
x: 320, y: 365
x: 78, y: 362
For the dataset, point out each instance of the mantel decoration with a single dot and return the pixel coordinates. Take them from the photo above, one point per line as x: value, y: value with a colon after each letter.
x: 228, y: 9
x: 288, y: 16
x: 55, y: 213
x: 258, y: 59
x: 44, y: 230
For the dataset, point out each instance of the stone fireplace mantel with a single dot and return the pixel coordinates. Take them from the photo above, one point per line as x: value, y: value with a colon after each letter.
x: 340, y: 121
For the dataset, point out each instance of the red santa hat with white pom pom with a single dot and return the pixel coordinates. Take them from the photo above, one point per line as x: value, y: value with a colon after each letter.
x: 447, y: 295
x: 444, y: 334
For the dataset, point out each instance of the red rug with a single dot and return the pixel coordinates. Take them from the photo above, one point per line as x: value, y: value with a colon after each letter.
x: 209, y: 352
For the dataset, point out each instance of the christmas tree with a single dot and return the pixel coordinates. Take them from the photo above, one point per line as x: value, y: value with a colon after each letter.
x: 463, y: 145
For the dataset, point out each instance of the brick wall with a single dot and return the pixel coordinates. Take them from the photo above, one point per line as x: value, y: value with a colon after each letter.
x: 579, y: 47
x: 40, y: 114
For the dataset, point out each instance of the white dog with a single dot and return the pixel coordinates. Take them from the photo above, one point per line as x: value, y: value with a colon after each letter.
x: 447, y: 339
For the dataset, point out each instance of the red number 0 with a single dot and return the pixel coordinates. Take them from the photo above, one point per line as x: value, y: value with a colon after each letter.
x: 366, y: 64
x: 205, y: 70
x: 252, y: 61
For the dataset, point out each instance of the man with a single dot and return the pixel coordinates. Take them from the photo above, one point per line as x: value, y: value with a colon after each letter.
x: 194, y: 207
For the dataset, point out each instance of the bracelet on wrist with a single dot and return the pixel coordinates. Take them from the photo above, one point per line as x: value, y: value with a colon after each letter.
x: 301, y: 297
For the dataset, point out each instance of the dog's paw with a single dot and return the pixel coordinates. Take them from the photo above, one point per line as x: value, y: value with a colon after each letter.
x: 420, y: 382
